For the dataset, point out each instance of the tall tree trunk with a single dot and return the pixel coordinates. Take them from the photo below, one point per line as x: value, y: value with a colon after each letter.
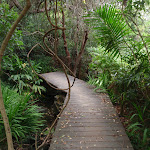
x: 2, y: 49
x: 81, y: 52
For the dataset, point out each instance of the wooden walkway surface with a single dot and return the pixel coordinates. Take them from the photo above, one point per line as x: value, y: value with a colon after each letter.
x: 89, y: 122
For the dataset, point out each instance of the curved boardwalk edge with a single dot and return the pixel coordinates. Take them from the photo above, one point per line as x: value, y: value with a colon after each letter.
x: 89, y: 121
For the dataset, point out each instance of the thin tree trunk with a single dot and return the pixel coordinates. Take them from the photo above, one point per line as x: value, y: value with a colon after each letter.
x: 81, y: 52
x: 2, y: 49
x: 6, y: 122
x: 65, y: 41
x: 76, y: 40
x: 79, y: 69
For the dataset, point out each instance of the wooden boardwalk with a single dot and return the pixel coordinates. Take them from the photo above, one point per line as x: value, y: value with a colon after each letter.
x: 89, y: 122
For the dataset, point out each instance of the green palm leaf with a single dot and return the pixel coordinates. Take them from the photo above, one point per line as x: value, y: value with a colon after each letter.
x: 111, y: 28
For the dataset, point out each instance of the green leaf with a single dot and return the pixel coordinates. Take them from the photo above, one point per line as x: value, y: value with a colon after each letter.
x: 145, y: 135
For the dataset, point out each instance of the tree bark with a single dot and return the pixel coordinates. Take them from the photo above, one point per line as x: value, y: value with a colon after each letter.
x: 2, y: 49
x: 81, y: 52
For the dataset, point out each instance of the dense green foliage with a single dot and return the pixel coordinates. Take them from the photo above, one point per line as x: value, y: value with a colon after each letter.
x: 7, y: 17
x: 103, y: 65
x: 24, y: 116
x: 22, y: 74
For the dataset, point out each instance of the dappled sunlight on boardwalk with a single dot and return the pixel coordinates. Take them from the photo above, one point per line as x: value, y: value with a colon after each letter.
x: 89, y: 121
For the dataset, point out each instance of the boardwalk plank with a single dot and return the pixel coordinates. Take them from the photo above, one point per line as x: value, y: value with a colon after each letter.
x: 89, y: 121
x: 90, y: 144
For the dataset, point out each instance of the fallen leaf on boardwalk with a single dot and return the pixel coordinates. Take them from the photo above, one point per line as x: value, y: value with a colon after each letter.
x: 55, y: 141
x: 63, y: 141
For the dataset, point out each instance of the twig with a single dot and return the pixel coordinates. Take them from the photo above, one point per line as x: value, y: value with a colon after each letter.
x: 36, y: 32
x: 2, y: 139
x: 10, y: 77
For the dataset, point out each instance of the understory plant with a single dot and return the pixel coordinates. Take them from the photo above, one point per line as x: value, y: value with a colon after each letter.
x: 104, y: 67
x: 24, y: 116
x: 21, y: 75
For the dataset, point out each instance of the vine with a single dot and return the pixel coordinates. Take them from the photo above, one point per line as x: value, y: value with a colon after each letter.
x: 65, y: 68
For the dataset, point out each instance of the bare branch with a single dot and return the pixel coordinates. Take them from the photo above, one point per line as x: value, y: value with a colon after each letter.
x: 17, y: 4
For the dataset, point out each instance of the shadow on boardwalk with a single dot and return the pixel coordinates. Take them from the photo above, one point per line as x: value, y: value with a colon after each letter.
x: 89, y: 122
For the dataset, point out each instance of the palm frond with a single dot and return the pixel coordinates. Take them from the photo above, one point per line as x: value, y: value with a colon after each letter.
x: 111, y: 28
